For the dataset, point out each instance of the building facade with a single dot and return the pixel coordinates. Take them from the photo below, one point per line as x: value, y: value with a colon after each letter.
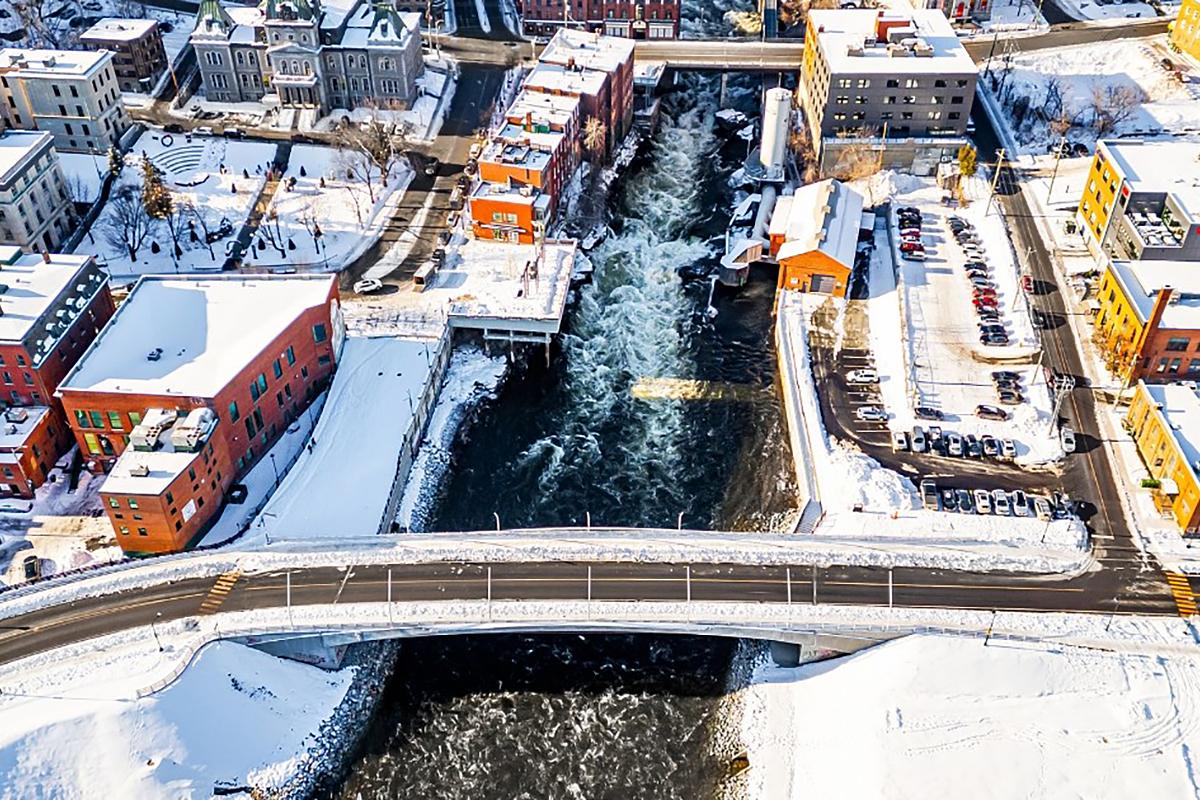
x: 1164, y: 422
x: 871, y: 79
x: 302, y: 54
x: 36, y: 213
x: 177, y: 414
x: 1147, y: 324
x: 51, y: 308
x: 71, y: 94
x: 1185, y: 29
x: 630, y: 19
x: 139, y: 57
x: 1140, y: 201
x: 813, y: 235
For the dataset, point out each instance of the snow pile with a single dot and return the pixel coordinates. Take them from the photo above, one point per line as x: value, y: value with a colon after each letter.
x: 867, y: 483
x: 323, y: 200
x: 358, y: 443
x: 85, y: 174
x: 932, y: 716
x: 471, y: 376
x: 1085, y: 73
x: 435, y: 88
x: 236, y: 715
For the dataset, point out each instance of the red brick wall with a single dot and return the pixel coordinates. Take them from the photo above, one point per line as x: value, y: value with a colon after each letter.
x: 45, y: 443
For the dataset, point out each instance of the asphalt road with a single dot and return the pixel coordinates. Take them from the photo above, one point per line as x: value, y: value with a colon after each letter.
x: 1099, y: 591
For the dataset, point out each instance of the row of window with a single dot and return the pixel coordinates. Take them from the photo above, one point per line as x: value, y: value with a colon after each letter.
x: 96, y: 419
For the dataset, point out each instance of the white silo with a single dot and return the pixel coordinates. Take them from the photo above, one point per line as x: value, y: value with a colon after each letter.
x: 777, y: 118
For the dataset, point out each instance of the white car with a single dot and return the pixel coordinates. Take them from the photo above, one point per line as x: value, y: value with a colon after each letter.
x: 203, y: 130
x: 367, y: 285
x: 899, y: 441
x: 870, y: 414
x: 1067, y: 437
x: 862, y: 376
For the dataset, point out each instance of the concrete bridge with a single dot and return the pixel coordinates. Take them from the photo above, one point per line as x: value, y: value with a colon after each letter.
x: 745, y: 55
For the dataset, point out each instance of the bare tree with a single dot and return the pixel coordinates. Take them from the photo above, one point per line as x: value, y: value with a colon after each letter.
x: 269, y: 231
x: 800, y: 143
x: 375, y: 145
x: 595, y: 135
x: 1113, y: 104
x: 208, y: 232
x: 1052, y: 103
x: 127, y: 225
x: 1062, y: 124
x: 47, y: 22
x: 858, y: 156
x: 130, y: 9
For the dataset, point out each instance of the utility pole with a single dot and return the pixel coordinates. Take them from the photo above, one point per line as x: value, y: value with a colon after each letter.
x: 995, y: 180
x: 1062, y: 142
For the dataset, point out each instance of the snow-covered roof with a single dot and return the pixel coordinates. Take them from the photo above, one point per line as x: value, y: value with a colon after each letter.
x: 150, y: 472
x: 203, y: 330
x: 33, y: 285
x: 17, y: 150
x: 516, y: 147
x: 555, y: 78
x: 17, y: 423
x: 1179, y: 406
x: 821, y: 216
x: 553, y: 109
x: 51, y: 63
x: 115, y: 29
x: 585, y: 50
x: 1141, y: 280
x: 523, y: 194
x: 1170, y: 167
x: 486, y: 286
x: 842, y: 34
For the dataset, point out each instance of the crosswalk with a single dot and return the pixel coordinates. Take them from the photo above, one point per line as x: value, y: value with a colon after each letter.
x: 1181, y: 589
x: 221, y: 588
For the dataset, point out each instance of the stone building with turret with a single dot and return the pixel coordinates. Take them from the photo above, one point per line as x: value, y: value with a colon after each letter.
x: 309, y: 54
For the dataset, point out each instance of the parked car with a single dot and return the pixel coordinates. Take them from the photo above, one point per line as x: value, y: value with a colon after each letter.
x: 949, y: 500
x: 173, y: 127
x: 912, y: 247
x: 1067, y: 437
x: 1006, y: 384
x: 1041, y: 507
x: 966, y: 504
x: 1008, y: 448
x: 1008, y: 397
x: 1027, y: 283
x: 1001, y: 503
x: 1006, y: 375
x: 1020, y: 503
x: 929, y: 494
x: 983, y: 283
x: 862, y: 376
x: 975, y: 272
x: 367, y: 285
x: 990, y: 446
x: 985, y: 411
x: 934, y: 434
x: 913, y: 255
x: 954, y: 444
x: 32, y: 568
x: 870, y: 414
x: 994, y: 339
x: 899, y: 441
x: 203, y: 130
x: 971, y: 446
x: 909, y: 210
x: 916, y: 439
x: 988, y: 311
x: 233, y: 133
x: 983, y: 501
x: 925, y: 412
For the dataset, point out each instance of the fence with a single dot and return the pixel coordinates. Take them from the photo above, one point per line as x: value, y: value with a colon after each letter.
x: 416, y: 428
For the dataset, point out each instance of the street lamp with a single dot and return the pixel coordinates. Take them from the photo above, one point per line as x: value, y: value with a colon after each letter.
x: 154, y: 630
x: 274, y: 468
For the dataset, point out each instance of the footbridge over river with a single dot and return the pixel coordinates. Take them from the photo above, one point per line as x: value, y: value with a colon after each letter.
x: 323, y: 595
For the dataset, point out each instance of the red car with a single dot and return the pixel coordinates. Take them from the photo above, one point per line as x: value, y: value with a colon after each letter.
x: 911, y: 247
x: 1027, y: 283
x: 984, y: 297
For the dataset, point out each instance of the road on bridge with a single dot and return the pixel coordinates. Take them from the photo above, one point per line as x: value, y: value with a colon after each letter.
x: 1099, y: 591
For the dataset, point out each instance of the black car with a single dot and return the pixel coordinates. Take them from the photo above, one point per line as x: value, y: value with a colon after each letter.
x: 925, y: 412
x: 173, y: 127
x: 998, y: 339
x: 1005, y: 375
x: 971, y: 446
x: 949, y: 500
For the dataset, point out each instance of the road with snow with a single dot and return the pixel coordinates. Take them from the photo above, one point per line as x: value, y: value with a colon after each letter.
x: 1097, y: 591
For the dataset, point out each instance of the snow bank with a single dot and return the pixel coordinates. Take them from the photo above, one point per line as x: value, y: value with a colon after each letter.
x: 235, y: 715
x: 936, y: 716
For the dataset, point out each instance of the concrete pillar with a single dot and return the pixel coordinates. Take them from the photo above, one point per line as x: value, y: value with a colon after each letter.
x: 308, y: 650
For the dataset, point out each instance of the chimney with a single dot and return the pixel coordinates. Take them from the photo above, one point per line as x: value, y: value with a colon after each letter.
x: 45, y: 257
x: 1161, y: 301
x: 528, y: 121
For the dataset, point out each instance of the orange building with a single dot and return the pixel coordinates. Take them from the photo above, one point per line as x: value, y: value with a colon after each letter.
x: 189, y: 385
x: 51, y: 308
x: 1148, y: 322
x: 814, y: 235
x: 515, y: 214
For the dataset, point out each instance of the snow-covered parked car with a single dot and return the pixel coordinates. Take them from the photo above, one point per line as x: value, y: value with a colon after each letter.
x: 367, y: 285
x: 862, y: 376
x: 870, y: 414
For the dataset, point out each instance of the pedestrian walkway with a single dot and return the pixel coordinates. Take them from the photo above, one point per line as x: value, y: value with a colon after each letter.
x: 220, y: 590
x: 1181, y: 590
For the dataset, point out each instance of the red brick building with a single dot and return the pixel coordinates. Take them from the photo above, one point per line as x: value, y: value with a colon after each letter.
x: 596, y: 69
x: 51, y: 308
x: 189, y: 386
x: 633, y: 19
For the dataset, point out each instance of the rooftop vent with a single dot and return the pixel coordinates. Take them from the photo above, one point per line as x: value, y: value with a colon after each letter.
x: 154, y: 355
x: 139, y: 471
x: 17, y: 415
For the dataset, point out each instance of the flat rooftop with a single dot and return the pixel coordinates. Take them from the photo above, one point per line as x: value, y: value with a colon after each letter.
x: 557, y: 79
x: 532, y: 196
x: 202, y: 332
x: 115, y: 29
x: 587, y: 50
x: 492, y: 285
x: 847, y: 38
x: 516, y: 147
x: 34, y: 285
x: 17, y: 423
x: 51, y: 63
x: 16, y: 147
x: 150, y: 472
x: 1141, y: 281
x: 1180, y: 407
x: 1158, y: 167
x: 555, y: 109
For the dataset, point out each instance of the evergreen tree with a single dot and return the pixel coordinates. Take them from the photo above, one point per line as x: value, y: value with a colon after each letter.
x: 155, y: 196
x: 115, y: 161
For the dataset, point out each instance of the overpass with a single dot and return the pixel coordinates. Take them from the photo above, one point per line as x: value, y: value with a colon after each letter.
x: 332, y: 583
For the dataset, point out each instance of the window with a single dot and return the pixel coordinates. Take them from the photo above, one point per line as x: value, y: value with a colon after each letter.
x: 81, y: 419
x: 911, y: 83
x: 135, y: 418
x: 842, y: 100
x: 8, y: 377
x: 291, y: 356
x: 956, y: 100
x: 124, y: 530
x: 142, y: 532
x: 132, y: 503
x: 863, y: 83
x: 191, y: 473
x: 258, y: 418
x: 324, y: 361
x: 113, y: 503
x: 278, y: 370
x: 233, y: 412
x: 170, y: 499
x: 1194, y: 365
x: 97, y: 419
x: 262, y: 383
x: 250, y: 427
x: 1174, y: 365
x: 893, y: 83
x: 114, y: 421
x: 1178, y: 343
x: 319, y: 334
x: 939, y: 84
x: 254, y: 390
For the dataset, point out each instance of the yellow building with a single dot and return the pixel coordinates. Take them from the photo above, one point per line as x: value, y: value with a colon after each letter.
x: 1141, y: 200
x: 1185, y: 30
x: 1164, y: 421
